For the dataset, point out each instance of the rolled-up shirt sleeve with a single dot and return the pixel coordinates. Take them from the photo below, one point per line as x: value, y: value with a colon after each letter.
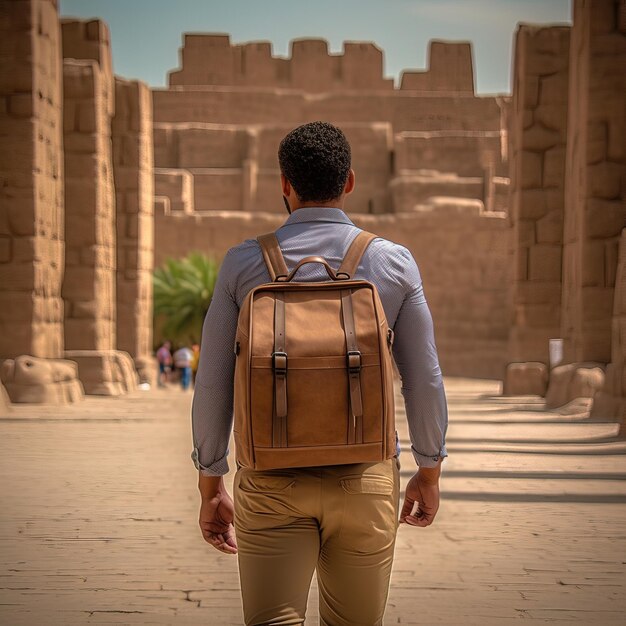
x: 422, y: 386
x: 212, y: 406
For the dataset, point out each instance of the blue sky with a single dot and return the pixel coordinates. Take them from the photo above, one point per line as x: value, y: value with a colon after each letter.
x: 146, y: 34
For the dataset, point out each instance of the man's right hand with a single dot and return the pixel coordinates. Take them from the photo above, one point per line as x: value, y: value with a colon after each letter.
x: 423, y: 488
x: 217, y: 514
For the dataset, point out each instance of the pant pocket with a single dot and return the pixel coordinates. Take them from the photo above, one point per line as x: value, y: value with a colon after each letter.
x: 263, y: 500
x: 370, y: 505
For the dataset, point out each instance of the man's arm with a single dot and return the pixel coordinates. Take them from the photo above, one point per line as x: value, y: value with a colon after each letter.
x: 212, y: 407
x: 422, y: 387
x: 212, y: 411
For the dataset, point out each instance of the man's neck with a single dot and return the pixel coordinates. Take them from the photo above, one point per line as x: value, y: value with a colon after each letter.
x: 332, y: 204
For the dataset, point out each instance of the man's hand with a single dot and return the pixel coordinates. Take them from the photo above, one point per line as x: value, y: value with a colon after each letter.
x: 216, y: 514
x: 423, y: 488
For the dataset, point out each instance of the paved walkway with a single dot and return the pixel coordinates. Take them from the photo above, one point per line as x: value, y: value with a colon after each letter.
x: 98, y: 523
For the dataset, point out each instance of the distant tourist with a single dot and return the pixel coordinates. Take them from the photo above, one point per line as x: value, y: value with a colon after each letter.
x: 183, y: 358
x: 164, y: 357
x: 196, y: 359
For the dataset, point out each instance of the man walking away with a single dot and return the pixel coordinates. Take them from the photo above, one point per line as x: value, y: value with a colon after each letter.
x: 340, y: 520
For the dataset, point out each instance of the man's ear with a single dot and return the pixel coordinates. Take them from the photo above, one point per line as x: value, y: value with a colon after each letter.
x: 349, y: 187
x: 286, y: 186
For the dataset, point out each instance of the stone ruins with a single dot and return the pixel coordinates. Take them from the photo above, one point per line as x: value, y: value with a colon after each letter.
x: 513, y: 206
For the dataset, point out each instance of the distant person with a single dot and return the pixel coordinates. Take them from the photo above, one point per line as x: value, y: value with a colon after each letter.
x: 164, y: 357
x: 196, y: 359
x: 183, y: 358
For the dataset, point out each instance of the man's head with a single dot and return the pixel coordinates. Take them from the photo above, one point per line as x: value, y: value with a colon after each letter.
x: 315, y: 164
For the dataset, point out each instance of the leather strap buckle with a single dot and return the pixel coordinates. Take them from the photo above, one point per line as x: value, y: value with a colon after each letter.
x: 279, y: 363
x: 354, y: 361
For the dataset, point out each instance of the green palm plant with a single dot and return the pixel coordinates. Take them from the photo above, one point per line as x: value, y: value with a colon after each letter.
x: 183, y: 289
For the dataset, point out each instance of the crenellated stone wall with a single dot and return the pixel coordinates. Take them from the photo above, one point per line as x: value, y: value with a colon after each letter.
x: 31, y: 175
x: 228, y: 107
x: 450, y: 69
x: 210, y: 59
x: 537, y: 136
x: 133, y: 174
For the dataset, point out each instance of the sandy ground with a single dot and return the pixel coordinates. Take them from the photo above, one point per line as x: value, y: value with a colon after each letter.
x: 98, y: 521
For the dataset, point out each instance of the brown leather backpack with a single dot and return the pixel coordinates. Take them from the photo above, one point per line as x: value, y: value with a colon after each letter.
x: 313, y: 374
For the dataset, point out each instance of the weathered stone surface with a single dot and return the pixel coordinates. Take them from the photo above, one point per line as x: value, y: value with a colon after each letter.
x: 573, y: 380
x: 450, y: 69
x: 126, y: 364
x: 210, y: 59
x: 177, y: 185
x: 32, y: 379
x: 5, y: 402
x: 31, y: 171
x: 525, y: 379
x: 468, y: 294
x: 132, y: 134
x: 537, y: 185
x: 90, y: 267
x: 593, y: 181
x: 610, y: 401
x: 104, y: 372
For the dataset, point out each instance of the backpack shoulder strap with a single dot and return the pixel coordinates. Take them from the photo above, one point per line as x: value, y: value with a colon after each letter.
x: 272, y: 255
x: 355, y: 252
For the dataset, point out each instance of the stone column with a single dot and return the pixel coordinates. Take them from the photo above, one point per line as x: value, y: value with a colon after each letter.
x: 133, y: 173
x: 91, y: 256
x: 537, y: 135
x: 611, y: 400
x: 31, y: 207
x: 89, y: 286
x: 31, y: 171
x: 595, y: 177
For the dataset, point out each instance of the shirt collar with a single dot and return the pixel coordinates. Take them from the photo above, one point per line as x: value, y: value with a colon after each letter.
x: 317, y: 214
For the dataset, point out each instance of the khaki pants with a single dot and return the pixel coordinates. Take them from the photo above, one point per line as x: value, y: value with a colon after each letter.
x: 340, y: 519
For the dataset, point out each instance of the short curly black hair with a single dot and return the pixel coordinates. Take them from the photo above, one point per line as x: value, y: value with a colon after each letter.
x: 315, y: 159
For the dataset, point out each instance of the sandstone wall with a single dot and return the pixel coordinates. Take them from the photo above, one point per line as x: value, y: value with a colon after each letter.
x: 450, y: 69
x: 595, y: 177
x: 538, y: 133
x: 133, y: 174
x: 461, y: 164
x: 466, y: 153
x: 89, y: 103
x: 464, y: 258
x: 235, y: 168
x: 31, y: 169
x: 611, y: 401
x: 210, y: 59
x: 177, y: 186
x: 405, y: 110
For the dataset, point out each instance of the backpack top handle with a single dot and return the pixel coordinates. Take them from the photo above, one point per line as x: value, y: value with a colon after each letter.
x: 311, y: 259
x: 277, y: 267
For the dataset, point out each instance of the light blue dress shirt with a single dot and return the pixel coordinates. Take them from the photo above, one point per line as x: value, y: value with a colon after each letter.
x: 326, y: 232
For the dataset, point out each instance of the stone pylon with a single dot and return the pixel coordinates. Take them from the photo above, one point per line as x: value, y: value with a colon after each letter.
x: 31, y: 207
x: 31, y: 169
x: 595, y: 177
x: 89, y: 288
x: 133, y: 173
